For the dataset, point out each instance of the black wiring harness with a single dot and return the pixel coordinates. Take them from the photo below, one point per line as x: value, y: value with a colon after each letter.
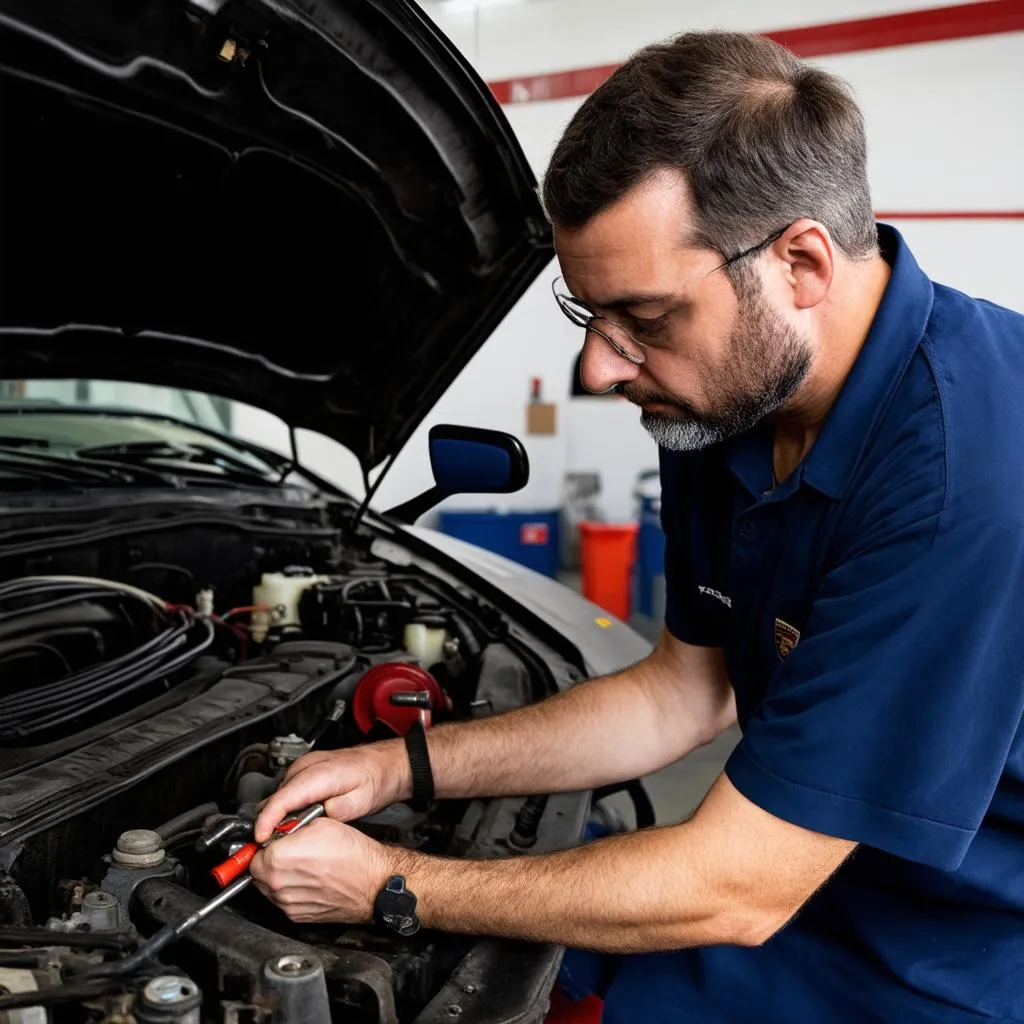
x: 72, y: 646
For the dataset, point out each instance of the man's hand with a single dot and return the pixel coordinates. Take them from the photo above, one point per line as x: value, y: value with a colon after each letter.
x: 350, y: 783
x: 326, y: 872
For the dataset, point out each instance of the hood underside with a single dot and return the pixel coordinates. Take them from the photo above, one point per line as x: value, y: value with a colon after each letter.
x: 312, y: 206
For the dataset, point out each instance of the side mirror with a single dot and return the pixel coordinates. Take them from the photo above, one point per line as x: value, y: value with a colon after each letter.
x: 468, y: 460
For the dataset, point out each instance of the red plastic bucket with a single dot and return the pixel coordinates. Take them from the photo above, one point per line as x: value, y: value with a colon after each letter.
x: 607, y: 553
x: 564, y: 1011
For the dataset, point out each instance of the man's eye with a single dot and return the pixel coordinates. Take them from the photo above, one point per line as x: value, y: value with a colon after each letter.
x: 649, y: 328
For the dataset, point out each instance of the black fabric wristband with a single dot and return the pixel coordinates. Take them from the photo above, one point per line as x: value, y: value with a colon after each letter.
x: 419, y: 762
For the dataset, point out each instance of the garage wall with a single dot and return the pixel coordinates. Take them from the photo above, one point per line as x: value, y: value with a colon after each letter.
x: 946, y: 144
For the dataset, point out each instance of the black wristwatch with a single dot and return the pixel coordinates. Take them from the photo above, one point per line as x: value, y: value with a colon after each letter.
x: 395, y: 908
x: 419, y: 763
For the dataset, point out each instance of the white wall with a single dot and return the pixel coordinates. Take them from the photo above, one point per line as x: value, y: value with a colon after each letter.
x: 945, y: 133
x: 534, y: 340
x: 506, y: 40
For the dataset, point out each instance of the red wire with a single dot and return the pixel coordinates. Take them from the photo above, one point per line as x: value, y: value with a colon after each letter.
x: 238, y: 629
x: 247, y: 608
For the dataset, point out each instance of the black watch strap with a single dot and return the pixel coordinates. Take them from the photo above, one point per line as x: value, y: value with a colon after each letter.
x: 395, y: 908
x: 419, y: 762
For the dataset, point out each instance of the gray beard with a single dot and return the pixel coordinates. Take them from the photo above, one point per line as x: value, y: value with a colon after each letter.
x: 770, y: 360
x: 679, y: 435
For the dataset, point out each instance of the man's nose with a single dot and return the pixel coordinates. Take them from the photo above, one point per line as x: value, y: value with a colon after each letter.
x: 601, y: 367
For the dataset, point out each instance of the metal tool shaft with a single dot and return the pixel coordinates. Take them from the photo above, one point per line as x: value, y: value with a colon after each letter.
x: 211, y: 905
x: 311, y: 814
x: 170, y: 933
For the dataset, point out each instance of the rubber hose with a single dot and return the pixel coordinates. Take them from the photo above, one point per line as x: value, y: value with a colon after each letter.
x: 186, y: 820
x: 642, y: 806
x: 71, y: 993
x: 524, y: 832
x: 31, y: 936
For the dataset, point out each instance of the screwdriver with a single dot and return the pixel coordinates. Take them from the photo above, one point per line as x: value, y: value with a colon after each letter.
x: 171, y: 932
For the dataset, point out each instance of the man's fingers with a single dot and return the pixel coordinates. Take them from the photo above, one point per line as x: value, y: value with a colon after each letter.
x: 316, y: 782
x: 300, y: 764
x: 306, y: 788
x: 341, y: 808
x: 269, y: 818
x: 258, y: 869
x: 307, y: 913
x: 341, y: 783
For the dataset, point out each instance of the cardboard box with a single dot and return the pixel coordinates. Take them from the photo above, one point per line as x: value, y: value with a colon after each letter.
x: 540, y: 418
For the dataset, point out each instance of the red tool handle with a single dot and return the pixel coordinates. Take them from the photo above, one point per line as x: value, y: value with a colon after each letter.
x: 226, y: 872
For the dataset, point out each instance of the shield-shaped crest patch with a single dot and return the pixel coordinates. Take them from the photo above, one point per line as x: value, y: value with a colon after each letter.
x: 786, y: 637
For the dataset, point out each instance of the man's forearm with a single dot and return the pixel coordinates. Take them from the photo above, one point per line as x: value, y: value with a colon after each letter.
x: 561, y: 744
x: 602, y: 731
x: 627, y: 894
x: 732, y: 874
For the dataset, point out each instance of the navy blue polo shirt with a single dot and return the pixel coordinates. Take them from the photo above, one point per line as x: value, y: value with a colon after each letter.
x: 871, y: 609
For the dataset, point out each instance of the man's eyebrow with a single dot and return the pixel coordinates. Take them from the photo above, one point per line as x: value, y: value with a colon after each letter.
x: 640, y: 299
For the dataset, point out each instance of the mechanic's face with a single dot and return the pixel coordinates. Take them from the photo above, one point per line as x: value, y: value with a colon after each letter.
x: 714, y: 364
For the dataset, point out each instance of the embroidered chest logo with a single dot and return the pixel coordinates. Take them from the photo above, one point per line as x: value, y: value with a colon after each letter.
x: 716, y: 594
x: 786, y: 637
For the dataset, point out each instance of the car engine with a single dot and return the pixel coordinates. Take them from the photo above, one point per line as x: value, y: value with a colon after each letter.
x: 161, y: 668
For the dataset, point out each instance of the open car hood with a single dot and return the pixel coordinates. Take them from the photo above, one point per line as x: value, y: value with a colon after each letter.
x: 312, y: 206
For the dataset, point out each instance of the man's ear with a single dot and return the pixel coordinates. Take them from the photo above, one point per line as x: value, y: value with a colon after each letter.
x: 807, y: 248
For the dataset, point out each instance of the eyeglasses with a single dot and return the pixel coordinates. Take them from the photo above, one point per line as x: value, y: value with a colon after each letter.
x: 614, y: 333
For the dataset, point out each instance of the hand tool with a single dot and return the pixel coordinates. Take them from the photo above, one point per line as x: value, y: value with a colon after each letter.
x: 231, y: 827
x: 239, y: 861
x: 171, y: 932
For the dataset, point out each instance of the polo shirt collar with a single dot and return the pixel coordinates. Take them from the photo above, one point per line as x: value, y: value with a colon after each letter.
x: 896, y: 332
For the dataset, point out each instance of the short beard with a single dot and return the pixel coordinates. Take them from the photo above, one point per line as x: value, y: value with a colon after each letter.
x: 768, y: 361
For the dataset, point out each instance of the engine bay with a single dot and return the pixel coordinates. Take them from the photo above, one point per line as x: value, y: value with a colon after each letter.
x: 158, y: 680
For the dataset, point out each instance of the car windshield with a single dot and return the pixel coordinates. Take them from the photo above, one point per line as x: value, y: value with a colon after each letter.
x: 112, y: 425
x: 149, y: 425
x: 204, y: 411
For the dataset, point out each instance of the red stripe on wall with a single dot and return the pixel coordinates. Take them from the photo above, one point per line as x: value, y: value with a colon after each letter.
x: 560, y: 85
x: 933, y: 25
x: 936, y: 24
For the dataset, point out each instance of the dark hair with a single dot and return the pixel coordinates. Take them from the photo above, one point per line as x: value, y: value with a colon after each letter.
x: 762, y: 138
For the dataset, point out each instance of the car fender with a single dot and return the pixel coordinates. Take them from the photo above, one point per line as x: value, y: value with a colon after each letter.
x: 605, y: 643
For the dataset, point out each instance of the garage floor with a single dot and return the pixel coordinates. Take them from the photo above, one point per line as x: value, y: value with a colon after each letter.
x: 677, y: 790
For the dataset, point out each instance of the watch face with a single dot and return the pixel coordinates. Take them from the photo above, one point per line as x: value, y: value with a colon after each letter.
x: 401, y: 924
x: 395, y: 908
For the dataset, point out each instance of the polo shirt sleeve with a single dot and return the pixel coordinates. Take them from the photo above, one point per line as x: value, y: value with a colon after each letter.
x: 686, y: 618
x: 890, y: 722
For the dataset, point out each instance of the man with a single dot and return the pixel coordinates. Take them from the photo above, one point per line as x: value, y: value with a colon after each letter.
x: 843, y: 472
